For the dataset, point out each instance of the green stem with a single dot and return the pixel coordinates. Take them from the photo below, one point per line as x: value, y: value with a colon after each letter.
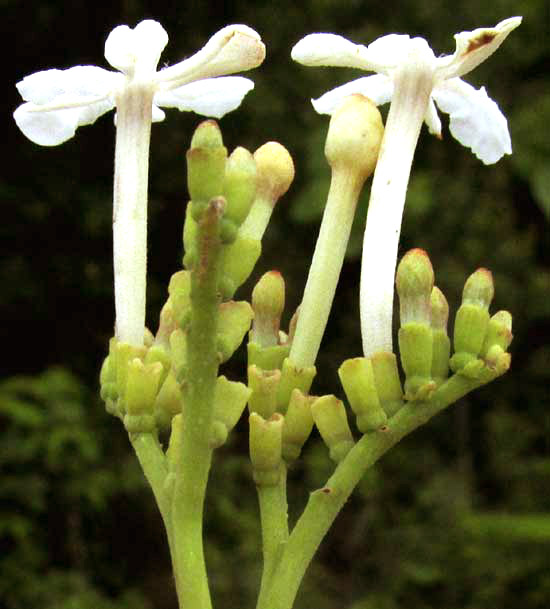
x: 196, y: 455
x: 155, y: 468
x: 324, y: 504
x: 326, y: 265
x: 274, y: 518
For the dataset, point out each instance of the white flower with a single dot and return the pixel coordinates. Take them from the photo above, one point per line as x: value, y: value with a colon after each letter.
x: 59, y: 101
x: 475, y: 119
x: 413, y: 78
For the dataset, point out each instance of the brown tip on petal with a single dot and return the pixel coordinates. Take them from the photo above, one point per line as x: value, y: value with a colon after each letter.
x: 480, y: 41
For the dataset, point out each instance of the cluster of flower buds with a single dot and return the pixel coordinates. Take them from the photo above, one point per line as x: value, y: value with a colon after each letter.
x: 144, y: 386
x: 279, y: 403
x: 372, y: 384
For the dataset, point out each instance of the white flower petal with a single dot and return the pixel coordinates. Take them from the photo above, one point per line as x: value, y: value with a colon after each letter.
x: 234, y: 48
x: 378, y: 88
x: 78, y: 84
x: 472, y: 48
x: 475, y: 120
x: 53, y: 127
x: 157, y: 114
x: 209, y: 97
x: 390, y: 51
x: 328, y: 50
x: 432, y: 120
x: 140, y: 48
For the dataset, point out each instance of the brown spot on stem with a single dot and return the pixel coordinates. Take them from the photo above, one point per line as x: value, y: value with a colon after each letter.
x: 326, y: 490
x: 384, y: 429
x: 480, y: 41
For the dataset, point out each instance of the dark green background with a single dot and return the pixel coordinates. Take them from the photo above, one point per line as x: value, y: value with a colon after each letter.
x: 458, y: 515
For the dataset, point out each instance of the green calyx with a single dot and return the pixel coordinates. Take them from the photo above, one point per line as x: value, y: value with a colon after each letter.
x: 234, y: 322
x: 357, y: 378
x: 239, y: 187
x: 414, y: 282
x: 293, y: 377
x: 206, y: 163
x: 331, y: 420
x: 298, y: 424
x: 229, y: 402
x: 264, y: 385
x: 266, y: 448
x: 471, y: 323
x: 388, y: 384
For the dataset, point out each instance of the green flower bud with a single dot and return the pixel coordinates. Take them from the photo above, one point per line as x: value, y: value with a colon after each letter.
x: 206, y: 163
x: 263, y: 385
x: 414, y: 282
x: 268, y: 303
x: 472, y: 320
x: 142, y: 385
x: 331, y: 420
x: 239, y: 186
x: 354, y: 136
x: 441, y: 341
x: 124, y: 354
x: 169, y: 401
x: 357, y: 378
x: 275, y: 172
x: 167, y: 324
x: 386, y: 378
x: 499, y: 332
x: 234, y: 322
x: 267, y: 358
x: 497, y: 341
x: 229, y: 402
x: 297, y: 425
x: 179, y: 290
x: 237, y: 263
x: 293, y: 377
x: 265, y: 448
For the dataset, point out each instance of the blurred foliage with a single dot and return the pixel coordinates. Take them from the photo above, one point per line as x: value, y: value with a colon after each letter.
x: 455, y: 516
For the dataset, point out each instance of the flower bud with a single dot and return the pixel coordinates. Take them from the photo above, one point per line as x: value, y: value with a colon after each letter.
x: 275, y: 174
x: 263, y: 385
x: 239, y: 187
x: 293, y: 377
x: 297, y: 425
x: 237, y: 263
x: 179, y: 290
x: 206, y: 163
x: 354, y: 136
x: 331, y: 420
x: 275, y: 171
x: 386, y: 378
x: 472, y: 320
x: 441, y: 341
x: 233, y: 324
x: 357, y: 378
x: 229, y: 402
x: 268, y: 303
x: 169, y: 401
x: 265, y: 448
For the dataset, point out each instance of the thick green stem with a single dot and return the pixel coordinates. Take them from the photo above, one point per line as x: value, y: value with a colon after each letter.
x: 274, y: 517
x: 196, y: 455
x: 324, y: 504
